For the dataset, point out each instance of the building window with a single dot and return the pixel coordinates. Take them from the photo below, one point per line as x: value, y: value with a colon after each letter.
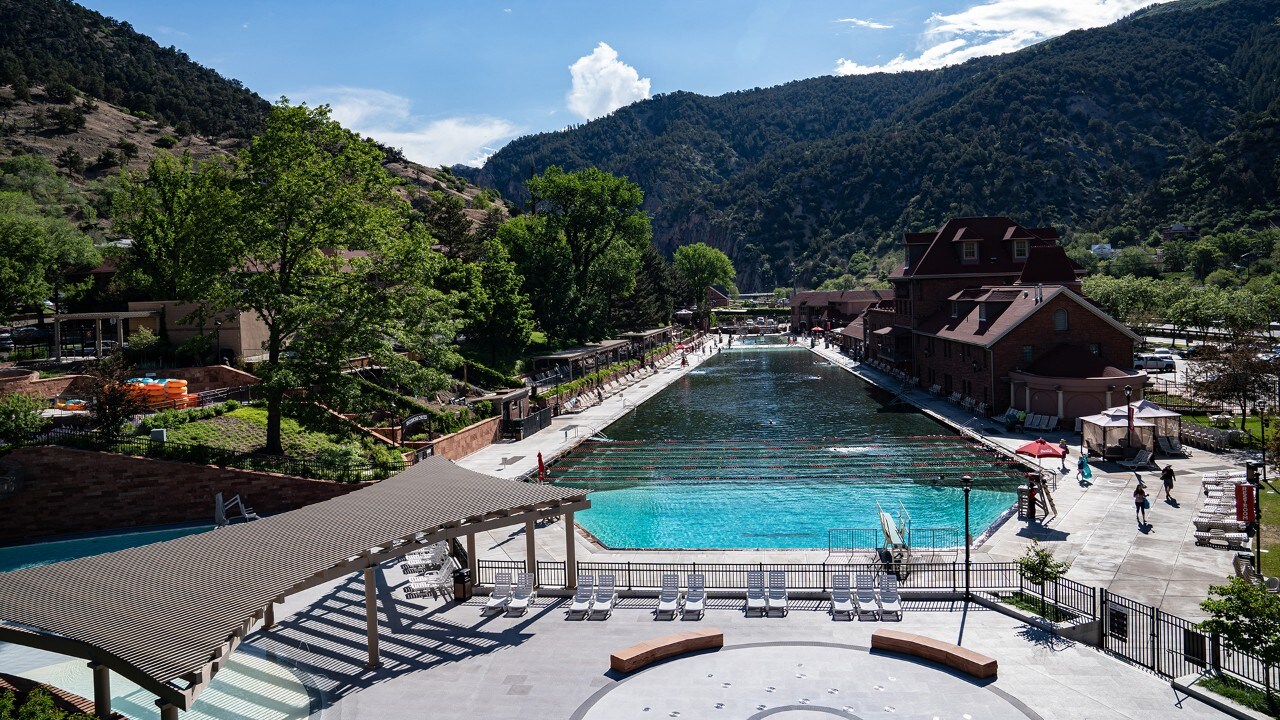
x: 955, y: 309
x: 969, y: 251
x: 1019, y: 249
x: 1095, y: 348
x: 982, y: 312
x: 1027, y: 352
x: 1060, y: 320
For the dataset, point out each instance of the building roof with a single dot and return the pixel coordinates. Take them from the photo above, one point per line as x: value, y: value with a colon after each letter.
x: 853, y: 329
x: 1012, y: 312
x: 584, y: 351
x: 815, y: 298
x: 159, y: 612
x: 645, y: 334
x: 994, y: 235
x: 1072, y: 361
x: 1049, y: 265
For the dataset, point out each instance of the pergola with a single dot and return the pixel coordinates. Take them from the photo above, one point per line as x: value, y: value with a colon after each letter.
x: 167, y: 616
x: 591, y: 354
x: 97, y: 318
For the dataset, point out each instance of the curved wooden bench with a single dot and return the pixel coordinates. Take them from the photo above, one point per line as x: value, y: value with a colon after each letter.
x: 651, y: 651
x: 953, y: 656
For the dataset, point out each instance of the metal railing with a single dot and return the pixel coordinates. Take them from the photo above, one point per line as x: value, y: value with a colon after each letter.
x: 205, y: 455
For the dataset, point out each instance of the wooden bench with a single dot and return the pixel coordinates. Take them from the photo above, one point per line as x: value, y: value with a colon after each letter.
x: 651, y: 651
x: 953, y: 656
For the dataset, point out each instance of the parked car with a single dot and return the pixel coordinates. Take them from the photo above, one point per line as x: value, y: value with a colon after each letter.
x: 1166, y: 352
x: 31, y: 334
x: 1150, y: 361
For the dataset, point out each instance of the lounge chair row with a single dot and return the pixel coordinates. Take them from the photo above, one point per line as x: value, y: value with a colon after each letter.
x: 1040, y: 422
x: 1170, y: 445
x: 1144, y: 458
x: 866, y: 601
x: 506, y: 599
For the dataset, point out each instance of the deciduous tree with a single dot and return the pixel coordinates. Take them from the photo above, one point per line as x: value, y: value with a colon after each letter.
x: 701, y: 266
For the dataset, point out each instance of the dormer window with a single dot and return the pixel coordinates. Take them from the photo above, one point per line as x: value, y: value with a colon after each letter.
x: 955, y: 309
x: 969, y: 252
x: 1019, y: 249
x: 982, y: 312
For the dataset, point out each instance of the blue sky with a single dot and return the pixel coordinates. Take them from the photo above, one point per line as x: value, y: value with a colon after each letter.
x: 450, y: 82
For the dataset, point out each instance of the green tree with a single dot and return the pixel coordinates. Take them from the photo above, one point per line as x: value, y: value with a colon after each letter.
x: 1247, y: 617
x: 652, y: 302
x: 20, y: 417
x: 1203, y: 258
x: 36, y: 251
x: 501, y: 316
x: 447, y: 220
x: 701, y: 266
x: 1038, y: 566
x: 181, y: 217
x: 589, y: 228
x: 112, y: 402
x: 1133, y: 260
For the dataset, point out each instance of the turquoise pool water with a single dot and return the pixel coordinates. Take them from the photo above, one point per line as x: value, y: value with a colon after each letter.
x: 23, y: 556
x: 772, y: 448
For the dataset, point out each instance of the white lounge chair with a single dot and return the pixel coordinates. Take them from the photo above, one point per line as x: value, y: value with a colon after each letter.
x: 581, y: 604
x: 501, y: 594
x: 606, y: 597
x: 777, y: 599
x: 890, y: 601
x: 755, y: 593
x: 866, y: 596
x: 841, y: 597
x: 1233, y: 541
x: 524, y: 594
x: 695, y: 599
x: 669, y: 598
x: 1141, y: 460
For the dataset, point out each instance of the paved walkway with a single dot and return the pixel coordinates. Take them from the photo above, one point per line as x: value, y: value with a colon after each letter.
x: 1095, y: 528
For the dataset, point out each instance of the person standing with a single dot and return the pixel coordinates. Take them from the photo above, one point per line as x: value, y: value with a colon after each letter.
x: 1062, y: 445
x: 1082, y: 467
x: 1166, y: 477
x: 1140, y: 503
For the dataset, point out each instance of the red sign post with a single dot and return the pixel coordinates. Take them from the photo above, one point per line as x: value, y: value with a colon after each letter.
x: 1245, y: 509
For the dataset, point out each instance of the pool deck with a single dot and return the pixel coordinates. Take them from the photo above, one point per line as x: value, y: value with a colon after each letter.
x: 1095, y: 528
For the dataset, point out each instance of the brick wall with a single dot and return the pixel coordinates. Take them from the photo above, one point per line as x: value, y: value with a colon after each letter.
x: 30, y: 383
x: 62, y: 491
x: 469, y: 439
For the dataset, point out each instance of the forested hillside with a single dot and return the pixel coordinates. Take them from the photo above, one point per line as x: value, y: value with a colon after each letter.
x: 1168, y: 115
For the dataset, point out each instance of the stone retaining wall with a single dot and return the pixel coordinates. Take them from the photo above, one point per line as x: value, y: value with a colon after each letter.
x: 63, y: 491
x: 29, y: 382
x: 456, y: 446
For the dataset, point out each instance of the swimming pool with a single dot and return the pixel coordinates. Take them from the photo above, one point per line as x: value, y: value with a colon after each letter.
x: 772, y: 447
x: 23, y: 556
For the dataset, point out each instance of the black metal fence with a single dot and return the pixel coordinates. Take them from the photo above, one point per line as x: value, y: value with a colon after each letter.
x: 526, y: 426
x: 206, y: 455
x: 1168, y: 645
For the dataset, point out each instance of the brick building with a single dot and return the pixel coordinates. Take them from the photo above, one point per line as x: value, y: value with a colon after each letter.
x: 831, y: 308
x: 990, y: 310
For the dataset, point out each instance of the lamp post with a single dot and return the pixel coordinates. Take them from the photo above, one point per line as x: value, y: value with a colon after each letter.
x: 968, y: 480
x: 1128, y: 412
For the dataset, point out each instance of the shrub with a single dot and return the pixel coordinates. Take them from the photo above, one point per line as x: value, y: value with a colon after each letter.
x: 20, y: 417
x: 165, y: 141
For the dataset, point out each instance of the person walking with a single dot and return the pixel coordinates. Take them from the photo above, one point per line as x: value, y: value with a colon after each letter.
x: 1140, y: 503
x: 1062, y: 445
x: 1083, y: 472
x: 1166, y: 477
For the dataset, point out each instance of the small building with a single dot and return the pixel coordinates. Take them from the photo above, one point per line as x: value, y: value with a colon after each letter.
x: 235, y: 335
x: 831, y: 308
x: 1177, y: 230
x: 1103, y: 251
x: 719, y: 296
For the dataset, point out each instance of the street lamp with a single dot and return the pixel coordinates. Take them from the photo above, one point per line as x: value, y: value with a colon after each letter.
x: 1128, y: 412
x: 968, y: 480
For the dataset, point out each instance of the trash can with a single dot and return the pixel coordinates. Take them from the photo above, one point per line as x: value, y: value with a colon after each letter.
x: 462, y: 586
x: 1243, y: 559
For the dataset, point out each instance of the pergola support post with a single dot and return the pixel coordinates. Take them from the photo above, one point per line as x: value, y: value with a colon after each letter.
x: 473, y: 564
x: 530, y: 556
x: 570, y: 559
x: 57, y: 338
x: 269, y: 616
x: 371, y: 615
x: 101, y: 690
x: 168, y: 711
x: 97, y: 338
x: 120, y: 333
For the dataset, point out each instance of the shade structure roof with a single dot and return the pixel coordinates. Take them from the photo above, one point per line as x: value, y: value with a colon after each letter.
x: 161, y: 614
x: 1142, y: 409
x: 1120, y: 420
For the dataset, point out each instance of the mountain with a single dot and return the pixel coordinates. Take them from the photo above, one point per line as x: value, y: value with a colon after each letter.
x: 55, y: 54
x: 1167, y: 115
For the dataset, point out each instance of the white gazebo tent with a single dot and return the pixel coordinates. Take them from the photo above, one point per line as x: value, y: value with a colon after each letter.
x: 1168, y: 423
x: 1108, y: 436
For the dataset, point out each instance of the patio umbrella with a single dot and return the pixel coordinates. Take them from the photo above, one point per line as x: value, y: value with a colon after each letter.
x: 1040, y: 448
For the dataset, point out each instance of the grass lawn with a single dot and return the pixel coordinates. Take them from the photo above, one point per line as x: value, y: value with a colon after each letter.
x: 1270, y: 531
x: 1031, y: 604
x: 245, y: 430
x: 1252, y: 425
x: 1244, y: 694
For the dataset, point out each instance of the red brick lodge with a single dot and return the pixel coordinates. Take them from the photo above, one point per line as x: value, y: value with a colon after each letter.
x: 991, y: 311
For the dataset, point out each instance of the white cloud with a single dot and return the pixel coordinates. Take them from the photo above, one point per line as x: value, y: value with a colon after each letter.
x: 602, y: 83
x: 996, y: 27
x: 389, y: 119
x: 869, y: 24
